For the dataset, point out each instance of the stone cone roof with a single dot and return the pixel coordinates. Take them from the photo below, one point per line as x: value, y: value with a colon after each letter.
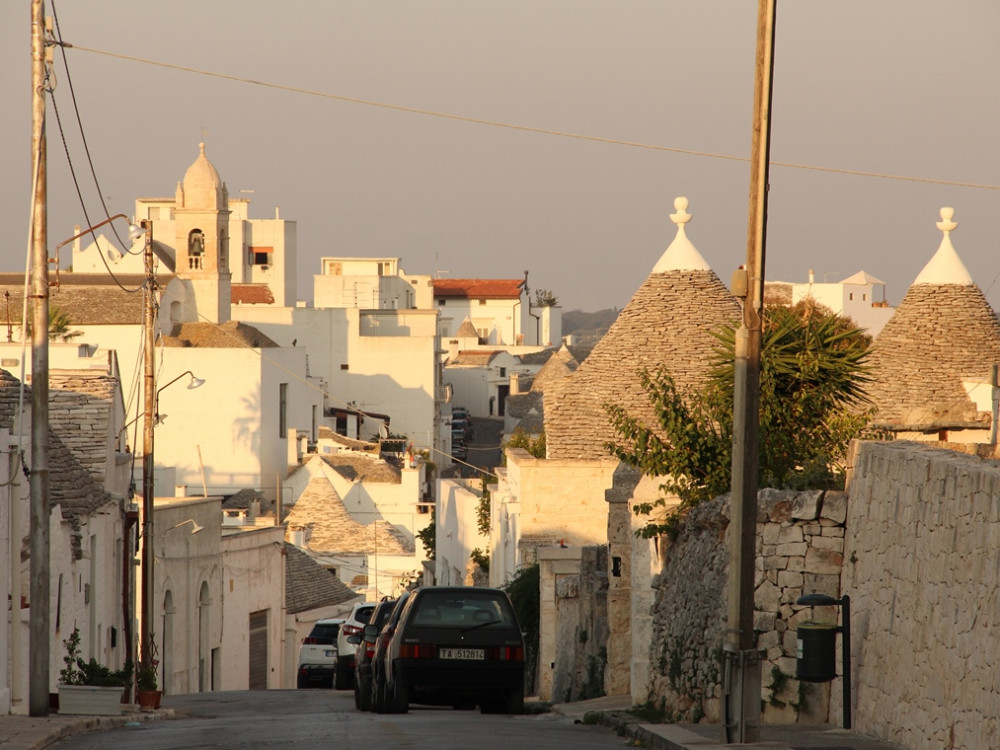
x: 467, y: 330
x: 321, y: 509
x: 308, y: 585
x: 560, y: 364
x: 667, y: 322
x: 942, y: 334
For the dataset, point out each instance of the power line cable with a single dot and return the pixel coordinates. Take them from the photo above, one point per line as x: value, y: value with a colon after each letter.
x: 522, y: 128
x: 79, y: 120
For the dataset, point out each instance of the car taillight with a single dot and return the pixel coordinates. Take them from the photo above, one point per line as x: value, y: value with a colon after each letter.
x: 350, y: 629
x: 417, y: 651
x: 505, y: 653
x: 369, y: 650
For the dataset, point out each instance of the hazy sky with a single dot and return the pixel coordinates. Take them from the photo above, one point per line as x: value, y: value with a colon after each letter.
x: 905, y: 88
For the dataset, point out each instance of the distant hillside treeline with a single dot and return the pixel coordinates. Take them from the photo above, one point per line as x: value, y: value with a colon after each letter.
x: 588, y: 327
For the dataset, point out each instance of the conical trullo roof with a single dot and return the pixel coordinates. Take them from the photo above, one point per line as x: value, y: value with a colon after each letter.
x: 467, y: 330
x: 942, y: 335
x: 667, y: 322
x: 560, y: 364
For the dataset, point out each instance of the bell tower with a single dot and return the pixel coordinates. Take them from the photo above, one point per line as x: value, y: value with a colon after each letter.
x: 201, y: 212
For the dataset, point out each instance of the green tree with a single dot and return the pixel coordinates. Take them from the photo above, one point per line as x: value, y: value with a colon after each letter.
x: 521, y: 439
x: 545, y: 298
x: 812, y: 404
x: 428, y: 537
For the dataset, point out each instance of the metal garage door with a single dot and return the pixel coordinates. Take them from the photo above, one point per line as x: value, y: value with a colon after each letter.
x: 258, y: 650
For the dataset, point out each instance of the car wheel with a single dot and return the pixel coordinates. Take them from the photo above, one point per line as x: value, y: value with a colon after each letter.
x: 515, y: 701
x: 378, y: 696
x: 342, y: 677
x: 362, y: 695
x: 400, y: 698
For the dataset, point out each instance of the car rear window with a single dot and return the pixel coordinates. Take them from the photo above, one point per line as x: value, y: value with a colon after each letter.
x: 364, y: 614
x: 324, y: 633
x: 435, y: 610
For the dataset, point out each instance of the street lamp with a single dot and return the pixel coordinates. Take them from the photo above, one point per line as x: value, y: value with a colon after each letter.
x: 195, y: 526
x: 151, y: 418
x: 134, y: 232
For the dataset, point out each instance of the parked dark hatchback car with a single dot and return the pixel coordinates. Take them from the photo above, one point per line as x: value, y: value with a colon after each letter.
x: 457, y: 646
x: 382, y: 637
x: 364, y: 652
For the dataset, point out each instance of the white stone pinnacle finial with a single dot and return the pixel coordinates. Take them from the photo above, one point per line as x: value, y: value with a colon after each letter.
x: 946, y: 225
x: 201, y: 148
x: 681, y: 255
x: 682, y: 217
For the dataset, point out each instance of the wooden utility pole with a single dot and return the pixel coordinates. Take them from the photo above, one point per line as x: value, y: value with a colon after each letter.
x: 39, y: 631
x: 148, y: 485
x: 743, y: 672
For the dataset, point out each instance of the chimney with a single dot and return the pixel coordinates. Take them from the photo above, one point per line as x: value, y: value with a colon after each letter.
x: 515, y: 384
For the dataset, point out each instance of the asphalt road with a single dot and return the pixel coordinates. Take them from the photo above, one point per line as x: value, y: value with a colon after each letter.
x: 317, y: 719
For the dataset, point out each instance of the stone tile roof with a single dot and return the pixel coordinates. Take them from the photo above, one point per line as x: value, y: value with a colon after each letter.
x: 10, y: 398
x: 473, y: 358
x: 560, y: 364
x: 78, y: 423
x: 251, y: 294
x: 321, y: 510
x: 363, y: 468
x: 667, y: 322
x: 81, y: 410
x: 229, y: 335
x: 939, y: 336
x: 528, y: 410
x: 86, y: 298
x: 479, y: 288
x: 308, y: 585
x: 943, y: 333
x: 327, y: 433
x: 467, y: 330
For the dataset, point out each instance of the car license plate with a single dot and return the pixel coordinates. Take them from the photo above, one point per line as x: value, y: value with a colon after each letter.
x: 462, y: 653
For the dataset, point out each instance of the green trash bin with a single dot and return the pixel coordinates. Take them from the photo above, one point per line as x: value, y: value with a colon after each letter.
x: 816, y: 651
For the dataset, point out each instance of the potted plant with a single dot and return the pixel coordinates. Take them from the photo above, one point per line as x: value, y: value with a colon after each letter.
x: 86, y: 687
x: 147, y: 692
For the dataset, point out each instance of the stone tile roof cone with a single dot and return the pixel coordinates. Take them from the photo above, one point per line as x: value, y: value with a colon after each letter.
x: 667, y: 322
x: 943, y: 335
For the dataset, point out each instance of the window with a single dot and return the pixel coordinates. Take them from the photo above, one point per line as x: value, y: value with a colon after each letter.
x: 344, y: 366
x: 482, y: 302
x: 261, y: 256
x: 503, y: 372
x: 864, y: 297
x: 850, y: 296
x: 442, y: 302
x: 283, y: 410
x: 383, y: 269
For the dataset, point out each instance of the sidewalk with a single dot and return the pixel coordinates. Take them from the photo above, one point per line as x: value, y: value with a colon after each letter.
x: 613, y: 712
x: 36, y: 732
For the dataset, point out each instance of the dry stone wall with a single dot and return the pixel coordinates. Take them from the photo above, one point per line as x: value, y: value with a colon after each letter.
x: 923, y: 572
x: 800, y: 545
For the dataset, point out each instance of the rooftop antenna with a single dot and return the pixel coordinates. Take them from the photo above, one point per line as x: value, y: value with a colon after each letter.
x: 437, y: 272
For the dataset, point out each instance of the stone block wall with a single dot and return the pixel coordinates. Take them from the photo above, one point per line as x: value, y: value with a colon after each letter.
x: 800, y: 544
x: 923, y: 572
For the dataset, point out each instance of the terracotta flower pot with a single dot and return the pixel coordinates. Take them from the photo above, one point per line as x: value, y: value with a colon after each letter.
x: 148, y: 700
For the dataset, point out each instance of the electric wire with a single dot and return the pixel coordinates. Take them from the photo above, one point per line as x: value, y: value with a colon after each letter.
x: 79, y: 120
x: 523, y: 128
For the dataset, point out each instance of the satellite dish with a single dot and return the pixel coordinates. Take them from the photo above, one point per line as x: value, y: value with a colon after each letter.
x: 383, y: 431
